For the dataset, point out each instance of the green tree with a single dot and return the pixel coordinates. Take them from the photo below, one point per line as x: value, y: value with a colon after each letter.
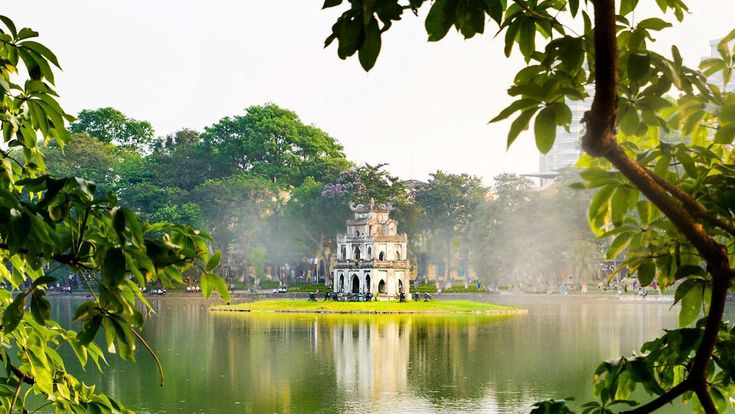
x: 84, y: 156
x: 47, y: 223
x: 234, y: 211
x: 448, y: 203
x: 669, y: 206
x: 273, y: 143
x: 112, y: 126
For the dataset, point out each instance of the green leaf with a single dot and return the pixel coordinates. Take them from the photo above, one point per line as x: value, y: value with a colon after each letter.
x: 370, y: 49
x: 646, y: 272
x: 691, y: 305
x: 654, y: 23
x: 520, y: 124
x: 619, y: 204
x: 113, y: 267
x: 627, y: 6
x: 518, y: 105
x: 210, y: 281
x: 43, y: 280
x: 213, y: 261
x: 686, y: 286
x: 14, y: 313
x: 639, y: 65
x: 687, y: 270
x: 544, y: 129
x: 331, y: 3
x: 619, y: 244
x: 574, y: 7
x: 40, y: 306
x: 527, y: 38
x: 41, y: 50
x: 725, y: 134
x: 89, y: 329
x: 439, y: 20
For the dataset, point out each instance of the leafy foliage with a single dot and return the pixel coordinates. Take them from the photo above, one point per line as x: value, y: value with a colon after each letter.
x: 47, y: 222
x: 112, y: 126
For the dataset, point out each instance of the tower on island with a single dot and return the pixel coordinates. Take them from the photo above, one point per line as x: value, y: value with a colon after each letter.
x: 372, y: 256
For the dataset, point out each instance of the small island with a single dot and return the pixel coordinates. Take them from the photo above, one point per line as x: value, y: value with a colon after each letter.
x: 374, y: 307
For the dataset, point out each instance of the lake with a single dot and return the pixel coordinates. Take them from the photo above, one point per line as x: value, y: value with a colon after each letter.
x: 279, y: 363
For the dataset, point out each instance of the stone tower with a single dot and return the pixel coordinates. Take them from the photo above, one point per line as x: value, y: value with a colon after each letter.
x: 372, y: 256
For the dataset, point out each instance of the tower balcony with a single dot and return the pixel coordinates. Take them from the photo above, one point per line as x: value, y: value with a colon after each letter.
x: 375, y: 238
x: 371, y: 264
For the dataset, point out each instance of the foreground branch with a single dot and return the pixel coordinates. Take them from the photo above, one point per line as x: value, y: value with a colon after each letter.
x: 693, y: 206
x: 599, y: 141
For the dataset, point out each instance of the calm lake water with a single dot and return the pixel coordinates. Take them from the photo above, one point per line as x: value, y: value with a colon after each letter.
x: 274, y: 363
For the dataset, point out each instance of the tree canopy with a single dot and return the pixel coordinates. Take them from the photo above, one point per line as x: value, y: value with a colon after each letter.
x: 112, y: 126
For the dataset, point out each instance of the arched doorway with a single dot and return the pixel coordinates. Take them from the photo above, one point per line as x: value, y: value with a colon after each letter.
x: 400, y: 286
x: 341, y: 286
x: 355, y: 284
x: 381, y: 286
x: 367, y: 283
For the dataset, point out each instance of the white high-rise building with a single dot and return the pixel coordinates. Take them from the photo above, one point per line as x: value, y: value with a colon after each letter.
x: 566, y: 149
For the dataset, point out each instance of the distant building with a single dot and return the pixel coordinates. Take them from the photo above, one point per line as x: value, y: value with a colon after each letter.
x: 372, y: 256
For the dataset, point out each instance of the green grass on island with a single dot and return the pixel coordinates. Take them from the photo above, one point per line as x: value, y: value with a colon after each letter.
x: 305, y: 306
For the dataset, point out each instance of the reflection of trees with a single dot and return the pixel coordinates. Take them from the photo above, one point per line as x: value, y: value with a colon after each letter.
x: 222, y: 363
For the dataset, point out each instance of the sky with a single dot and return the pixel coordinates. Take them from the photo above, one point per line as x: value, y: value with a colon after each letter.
x: 424, y: 107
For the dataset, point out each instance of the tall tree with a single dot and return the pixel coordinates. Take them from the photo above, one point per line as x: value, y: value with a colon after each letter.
x: 674, y: 222
x: 112, y: 126
x: 448, y: 203
x: 273, y: 143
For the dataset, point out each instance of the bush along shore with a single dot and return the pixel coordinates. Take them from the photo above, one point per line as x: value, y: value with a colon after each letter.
x: 413, y: 307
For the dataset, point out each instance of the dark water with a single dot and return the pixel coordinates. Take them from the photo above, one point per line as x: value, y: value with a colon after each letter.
x: 261, y: 363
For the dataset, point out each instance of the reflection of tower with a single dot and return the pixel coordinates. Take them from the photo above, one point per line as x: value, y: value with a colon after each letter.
x: 371, y: 357
x: 371, y: 256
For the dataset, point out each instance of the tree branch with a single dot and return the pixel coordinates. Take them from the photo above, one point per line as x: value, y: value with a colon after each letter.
x: 599, y: 141
x: 662, y: 399
x: 693, y: 206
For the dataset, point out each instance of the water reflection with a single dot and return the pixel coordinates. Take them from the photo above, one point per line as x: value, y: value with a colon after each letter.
x: 230, y: 363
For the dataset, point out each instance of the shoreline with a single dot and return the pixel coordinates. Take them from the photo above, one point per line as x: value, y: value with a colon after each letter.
x: 373, y: 312
x: 296, y: 306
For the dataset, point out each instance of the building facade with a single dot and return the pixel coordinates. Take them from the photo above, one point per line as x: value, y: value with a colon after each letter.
x: 566, y: 149
x: 372, y: 256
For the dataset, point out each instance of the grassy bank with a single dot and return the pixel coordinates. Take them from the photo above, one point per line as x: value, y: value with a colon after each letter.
x: 305, y: 306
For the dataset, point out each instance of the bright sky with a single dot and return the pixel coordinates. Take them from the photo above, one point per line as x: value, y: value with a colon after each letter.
x: 187, y: 63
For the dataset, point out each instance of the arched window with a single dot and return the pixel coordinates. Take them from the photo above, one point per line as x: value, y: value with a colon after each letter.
x: 381, y: 256
x: 357, y: 253
x: 398, y: 255
x: 400, y: 286
x: 357, y: 233
x: 341, y: 286
x: 381, y: 286
x: 370, y: 230
x: 355, y: 284
x: 343, y: 252
x: 369, y: 253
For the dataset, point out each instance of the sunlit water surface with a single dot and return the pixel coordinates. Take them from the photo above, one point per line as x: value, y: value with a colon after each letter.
x: 276, y: 363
